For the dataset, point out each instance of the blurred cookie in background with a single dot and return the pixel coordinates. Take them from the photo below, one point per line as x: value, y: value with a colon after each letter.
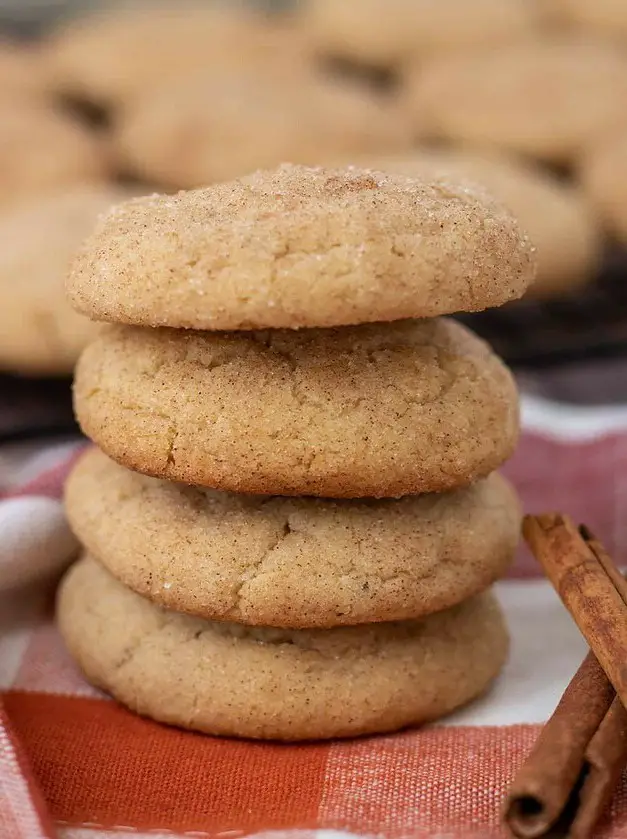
x: 385, y: 33
x: 543, y: 98
x: 114, y: 58
x: 603, y: 172
x: 43, y: 149
x: 606, y: 17
x: 40, y: 334
x: 21, y: 73
x: 554, y: 213
x: 207, y: 130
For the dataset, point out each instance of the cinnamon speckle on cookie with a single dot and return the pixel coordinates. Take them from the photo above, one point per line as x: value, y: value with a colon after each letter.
x: 234, y: 680
x: 303, y: 247
x: 374, y: 410
x: 299, y: 562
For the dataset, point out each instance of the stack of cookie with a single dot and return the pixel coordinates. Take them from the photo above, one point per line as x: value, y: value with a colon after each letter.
x: 293, y: 519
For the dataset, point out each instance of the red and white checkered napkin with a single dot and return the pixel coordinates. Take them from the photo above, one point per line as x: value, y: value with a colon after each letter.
x: 74, y: 762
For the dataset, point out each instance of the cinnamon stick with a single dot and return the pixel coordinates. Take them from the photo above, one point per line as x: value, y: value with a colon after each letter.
x: 605, y: 760
x: 570, y: 775
x: 590, y: 595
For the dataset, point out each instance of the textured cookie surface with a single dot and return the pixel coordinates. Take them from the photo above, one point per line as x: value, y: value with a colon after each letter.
x: 43, y: 150
x: 370, y: 411
x: 39, y: 332
x: 545, y: 98
x: 603, y: 172
x: 228, y: 679
x: 302, y: 247
x: 299, y: 562
x: 388, y: 32
x: 559, y: 220
x: 212, y: 129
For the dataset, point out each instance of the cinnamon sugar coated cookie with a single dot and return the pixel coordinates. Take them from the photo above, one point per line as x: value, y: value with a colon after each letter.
x: 40, y: 334
x: 42, y: 149
x: 302, y: 247
x: 117, y: 57
x: 379, y: 410
x: 544, y: 98
x: 227, y: 679
x: 603, y: 172
x: 212, y: 129
x: 387, y: 32
x: 299, y: 562
x: 556, y: 215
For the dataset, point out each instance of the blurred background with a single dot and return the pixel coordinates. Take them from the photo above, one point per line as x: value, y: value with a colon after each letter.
x: 102, y: 101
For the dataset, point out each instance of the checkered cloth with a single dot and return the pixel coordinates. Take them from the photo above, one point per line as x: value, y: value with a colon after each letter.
x: 76, y: 765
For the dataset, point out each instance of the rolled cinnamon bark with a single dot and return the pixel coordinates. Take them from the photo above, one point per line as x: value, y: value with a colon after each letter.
x: 544, y: 785
x: 583, y: 584
x: 605, y: 760
x: 568, y: 779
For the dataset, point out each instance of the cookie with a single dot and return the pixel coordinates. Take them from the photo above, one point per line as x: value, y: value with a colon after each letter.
x: 114, y: 59
x: 302, y: 247
x: 20, y: 71
x: 385, y: 33
x: 379, y: 410
x: 603, y: 173
x: 40, y: 334
x: 298, y: 562
x: 544, y: 98
x: 556, y: 215
x: 42, y: 150
x: 213, y: 129
x: 280, y: 684
x: 603, y: 17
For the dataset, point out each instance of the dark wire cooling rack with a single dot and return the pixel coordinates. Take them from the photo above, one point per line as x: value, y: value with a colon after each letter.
x: 33, y: 409
x: 586, y: 326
